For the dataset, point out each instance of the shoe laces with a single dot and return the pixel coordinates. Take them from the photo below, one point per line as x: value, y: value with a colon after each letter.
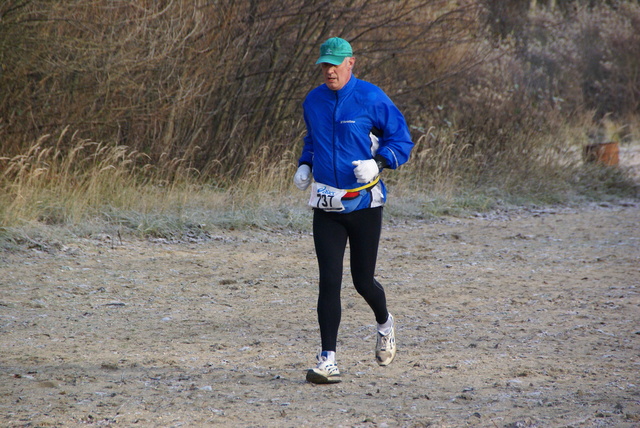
x: 385, y: 340
x: 323, y: 362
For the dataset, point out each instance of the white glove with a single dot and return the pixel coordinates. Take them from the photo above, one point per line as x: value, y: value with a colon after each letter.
x: 302, y: 179
x: 365, y: 170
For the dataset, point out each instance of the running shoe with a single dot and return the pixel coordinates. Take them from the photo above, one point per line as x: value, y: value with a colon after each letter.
x: 324, y: 372
x: 386, y: 348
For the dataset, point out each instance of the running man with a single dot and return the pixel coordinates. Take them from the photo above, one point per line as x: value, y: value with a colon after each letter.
x: 354, y: 131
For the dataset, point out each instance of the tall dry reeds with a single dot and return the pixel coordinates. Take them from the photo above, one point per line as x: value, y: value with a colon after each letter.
x: 72, y: 179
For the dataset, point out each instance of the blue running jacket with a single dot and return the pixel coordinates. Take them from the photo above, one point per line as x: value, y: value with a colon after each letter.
x: 356, y: 122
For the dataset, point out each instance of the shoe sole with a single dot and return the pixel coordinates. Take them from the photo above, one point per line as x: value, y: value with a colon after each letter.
x: 385, y: 363
x: 314, y: 377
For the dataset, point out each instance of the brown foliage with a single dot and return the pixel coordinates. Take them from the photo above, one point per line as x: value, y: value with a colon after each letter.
x: 208, y: 81
x: 215, y: 82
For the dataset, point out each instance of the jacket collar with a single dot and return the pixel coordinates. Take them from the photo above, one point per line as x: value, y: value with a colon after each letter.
x: 346, y: 89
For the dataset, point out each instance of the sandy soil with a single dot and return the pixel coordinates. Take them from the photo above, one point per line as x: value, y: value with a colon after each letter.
x: 522, y: 318
x: 510, y: 319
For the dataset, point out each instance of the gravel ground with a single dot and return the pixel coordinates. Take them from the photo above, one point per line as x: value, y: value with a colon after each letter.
x: 525, y: 318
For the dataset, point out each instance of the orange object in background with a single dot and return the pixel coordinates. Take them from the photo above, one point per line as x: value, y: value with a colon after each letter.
x: 605, y: 153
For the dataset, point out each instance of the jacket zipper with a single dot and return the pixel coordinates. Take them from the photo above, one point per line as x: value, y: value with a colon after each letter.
x: 333, y: 139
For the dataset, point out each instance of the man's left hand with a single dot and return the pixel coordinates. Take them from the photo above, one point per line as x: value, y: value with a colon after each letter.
x: 365, y: 170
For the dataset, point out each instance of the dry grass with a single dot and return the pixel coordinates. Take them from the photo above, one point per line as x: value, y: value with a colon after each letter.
x: 76, y: 179
x: 92, y: 188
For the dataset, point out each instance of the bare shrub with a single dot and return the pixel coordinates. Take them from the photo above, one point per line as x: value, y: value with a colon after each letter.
x: 212, y: 83
x: 208, y: 93
x: 582, y: 55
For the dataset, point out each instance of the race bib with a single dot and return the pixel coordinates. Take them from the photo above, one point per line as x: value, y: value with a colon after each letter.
x: 326, y: 198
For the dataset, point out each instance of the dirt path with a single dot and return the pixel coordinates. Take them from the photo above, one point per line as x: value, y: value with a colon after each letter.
x: 519, y: 319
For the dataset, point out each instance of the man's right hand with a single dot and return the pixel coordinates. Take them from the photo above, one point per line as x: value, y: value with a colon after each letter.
x: 302, y: 179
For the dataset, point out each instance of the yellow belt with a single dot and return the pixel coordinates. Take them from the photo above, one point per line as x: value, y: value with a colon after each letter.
x: 366, y: 186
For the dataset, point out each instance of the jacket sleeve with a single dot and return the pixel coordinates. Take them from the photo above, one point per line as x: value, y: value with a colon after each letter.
x: 395, y: 142
x: 307, y: 149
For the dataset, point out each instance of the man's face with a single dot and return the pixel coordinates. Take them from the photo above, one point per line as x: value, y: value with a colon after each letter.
x: 336, y: 76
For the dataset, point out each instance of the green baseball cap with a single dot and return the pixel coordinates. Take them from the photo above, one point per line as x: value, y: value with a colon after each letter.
x: 334, y: 51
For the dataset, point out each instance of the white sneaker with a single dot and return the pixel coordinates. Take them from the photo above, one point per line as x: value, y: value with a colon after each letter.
x: 386, y: 348
x: 324, y: 372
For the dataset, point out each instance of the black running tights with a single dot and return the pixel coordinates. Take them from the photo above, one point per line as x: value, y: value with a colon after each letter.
x: 330, y: 233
